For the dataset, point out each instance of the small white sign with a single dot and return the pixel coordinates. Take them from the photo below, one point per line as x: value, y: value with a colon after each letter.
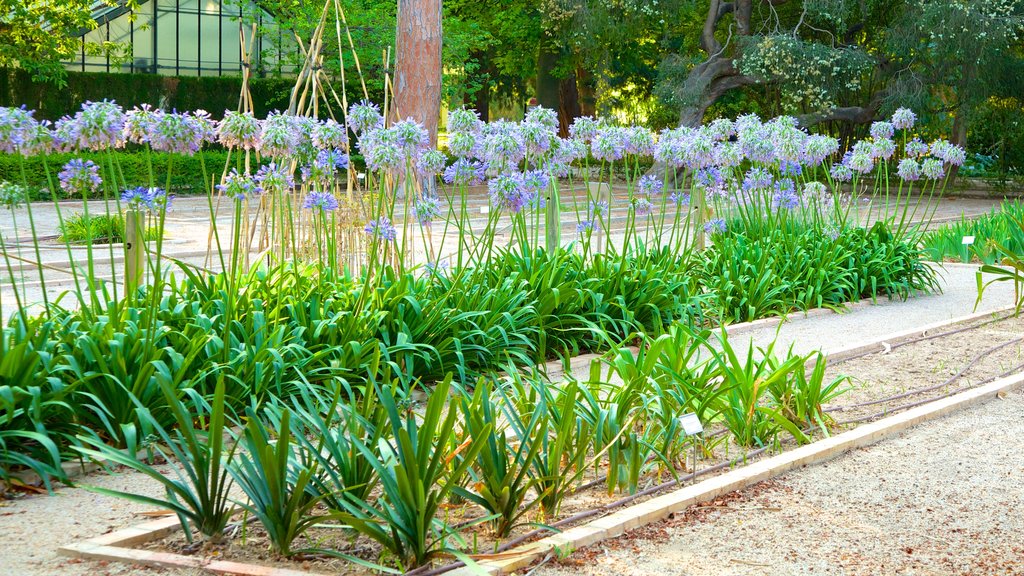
x: 485, y: 209
x: 691, y: 424
x: 968, y: 240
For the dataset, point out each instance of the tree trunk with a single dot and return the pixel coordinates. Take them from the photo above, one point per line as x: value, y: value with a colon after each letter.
x: 587, y: 91
x: 568, y: 104
x: 417, y: 82
x: 547, y: 83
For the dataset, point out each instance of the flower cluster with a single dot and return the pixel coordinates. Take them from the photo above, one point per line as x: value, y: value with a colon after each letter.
x: 322, y: 201
x: 80, y: 177
x: 152, y: 199
x: 381, y: 229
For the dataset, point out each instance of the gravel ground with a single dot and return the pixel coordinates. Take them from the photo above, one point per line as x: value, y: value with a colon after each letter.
x: 941, y: 499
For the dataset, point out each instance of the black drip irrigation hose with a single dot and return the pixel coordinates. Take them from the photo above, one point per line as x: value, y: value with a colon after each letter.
x: 917, y: 391
x: 891, y: 411
x: 596, y: 511
x: 924, y: 338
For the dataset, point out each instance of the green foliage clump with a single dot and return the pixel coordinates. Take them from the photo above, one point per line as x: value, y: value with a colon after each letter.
x: 1002, y: 225
x: 97, y: 229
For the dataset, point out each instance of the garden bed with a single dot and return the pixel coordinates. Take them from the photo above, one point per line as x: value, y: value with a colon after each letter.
x: 963, y: 356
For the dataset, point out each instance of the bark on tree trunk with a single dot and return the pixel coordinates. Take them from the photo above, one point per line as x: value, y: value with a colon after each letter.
x: 417, y: 81
x: 568, y: 104
x: 587, y: 91
x: 547, y: 83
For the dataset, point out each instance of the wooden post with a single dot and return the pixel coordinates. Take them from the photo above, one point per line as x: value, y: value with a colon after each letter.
x: 134, y: 249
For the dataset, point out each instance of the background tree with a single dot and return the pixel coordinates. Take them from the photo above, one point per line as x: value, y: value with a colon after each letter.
x: 37, y: 35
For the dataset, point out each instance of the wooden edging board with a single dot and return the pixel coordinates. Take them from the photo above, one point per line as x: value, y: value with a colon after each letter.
x: 116, y: 546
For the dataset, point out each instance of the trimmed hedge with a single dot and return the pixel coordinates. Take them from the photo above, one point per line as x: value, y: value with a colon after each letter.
x: 211, y: 93
x: 186, y: 176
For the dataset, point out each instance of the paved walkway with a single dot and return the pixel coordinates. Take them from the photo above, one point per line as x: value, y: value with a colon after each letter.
x: 943, y: 498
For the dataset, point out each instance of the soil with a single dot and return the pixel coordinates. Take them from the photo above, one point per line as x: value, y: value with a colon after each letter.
x: 75, y: 514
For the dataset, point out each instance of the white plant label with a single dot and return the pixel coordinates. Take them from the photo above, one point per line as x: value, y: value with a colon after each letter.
x: 968, y: 240
x: 691, y: 424
x: 485, y: 209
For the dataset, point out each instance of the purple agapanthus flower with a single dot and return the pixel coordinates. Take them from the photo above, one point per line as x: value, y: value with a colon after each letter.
x: 426, y: 210
x: 679, y: 198
x: 785, y: 196
x: 16, y: 129
x: 381, y: 229
x: 882, y: 130
x: 322, y: 201
x: 908, y: 170
x: 238, y: 186
x: 411, y: 137
x: 948, y: 153
x: 537, y: 137
x: 916, y: 148
x: 430, y: 163
x: 583, y: 128
x: 534, y: 182
x: 153, y: 199
x: 649, y: 185
x: 507, y: 191
x: 273, y: 178
x: 642, y: 206
x: 98, y: 126
x: 463, y: 120
x: 463, y: 144
x: 757, y: 178
x: 364, y: 116
x: 465, y: 172
x: 903, y: 118
x: 715, y: 226
x: 329, y: 135
x: 609, y: 144
x: 180, y: 133
x: 381, y: 151
x: 279, y: 136
x: 239, y: 130
x: 841, y: 173
x: 80, y: 177
x: 931, y: 168
x: 639, y: 141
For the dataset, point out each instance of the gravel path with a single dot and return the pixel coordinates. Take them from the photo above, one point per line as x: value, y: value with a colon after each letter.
x: 941, y: 499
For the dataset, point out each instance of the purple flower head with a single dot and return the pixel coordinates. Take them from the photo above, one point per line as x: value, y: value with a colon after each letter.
x: 544, y: 116
x: 239, y: 130
x: 908, y: 170
x: 381, y: 229
x: 411, y: 137
x: 98, y: 126
x: 715, y: 226
x: 727, y: 155
x: 670, y: 149
x: 757, y: 179
x: 722, y: 129
x: 463, y: 121
x: 585, y: 227
x: 278, y: 136
x: 916, y: 148
x: 426, y: 210
x: 883, y: 148
x: 860, y: 162
x: 537, y: 137
x: 948, y: 153
x: 364, y: 116
x: 325, y: 166
x: 597, y: 210
x: 649, y: 185
x: 642, y: 206
x: 639, y: 141
x: 463, y: 144
x: 708, y: 178
x: 931, y: 168
x: 381, y: 150
x: 16, y: 129
x: 273, y: 178
x: 785, y: 196
x: 12, y: 195
x: 818, y: 148
x: 609, y: 143
x: 841, y: 173
x: 504, y: 147
x: 153, y: 199
x: 789, y: 168
x: 80, y: 177
x: 238, y: 186
x: 329, y: 135
x: 322, y: 201
x: 430, y: 163
x: 583, y: 129
x: 534, y: 182
x: 679, y: 198
x: 508, y: 192
x: 180, y: 133
x: 465, y: 172
x: 699, y: 150
x: 882, y: 130
x: 903, y: 118
x: 817, y: 195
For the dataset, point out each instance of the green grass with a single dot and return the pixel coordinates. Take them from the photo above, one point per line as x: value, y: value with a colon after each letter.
x: 97, y: 229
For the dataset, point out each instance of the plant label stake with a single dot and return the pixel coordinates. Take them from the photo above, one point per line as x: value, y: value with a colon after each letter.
x: 968, y: 240
x: 691, y: 429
